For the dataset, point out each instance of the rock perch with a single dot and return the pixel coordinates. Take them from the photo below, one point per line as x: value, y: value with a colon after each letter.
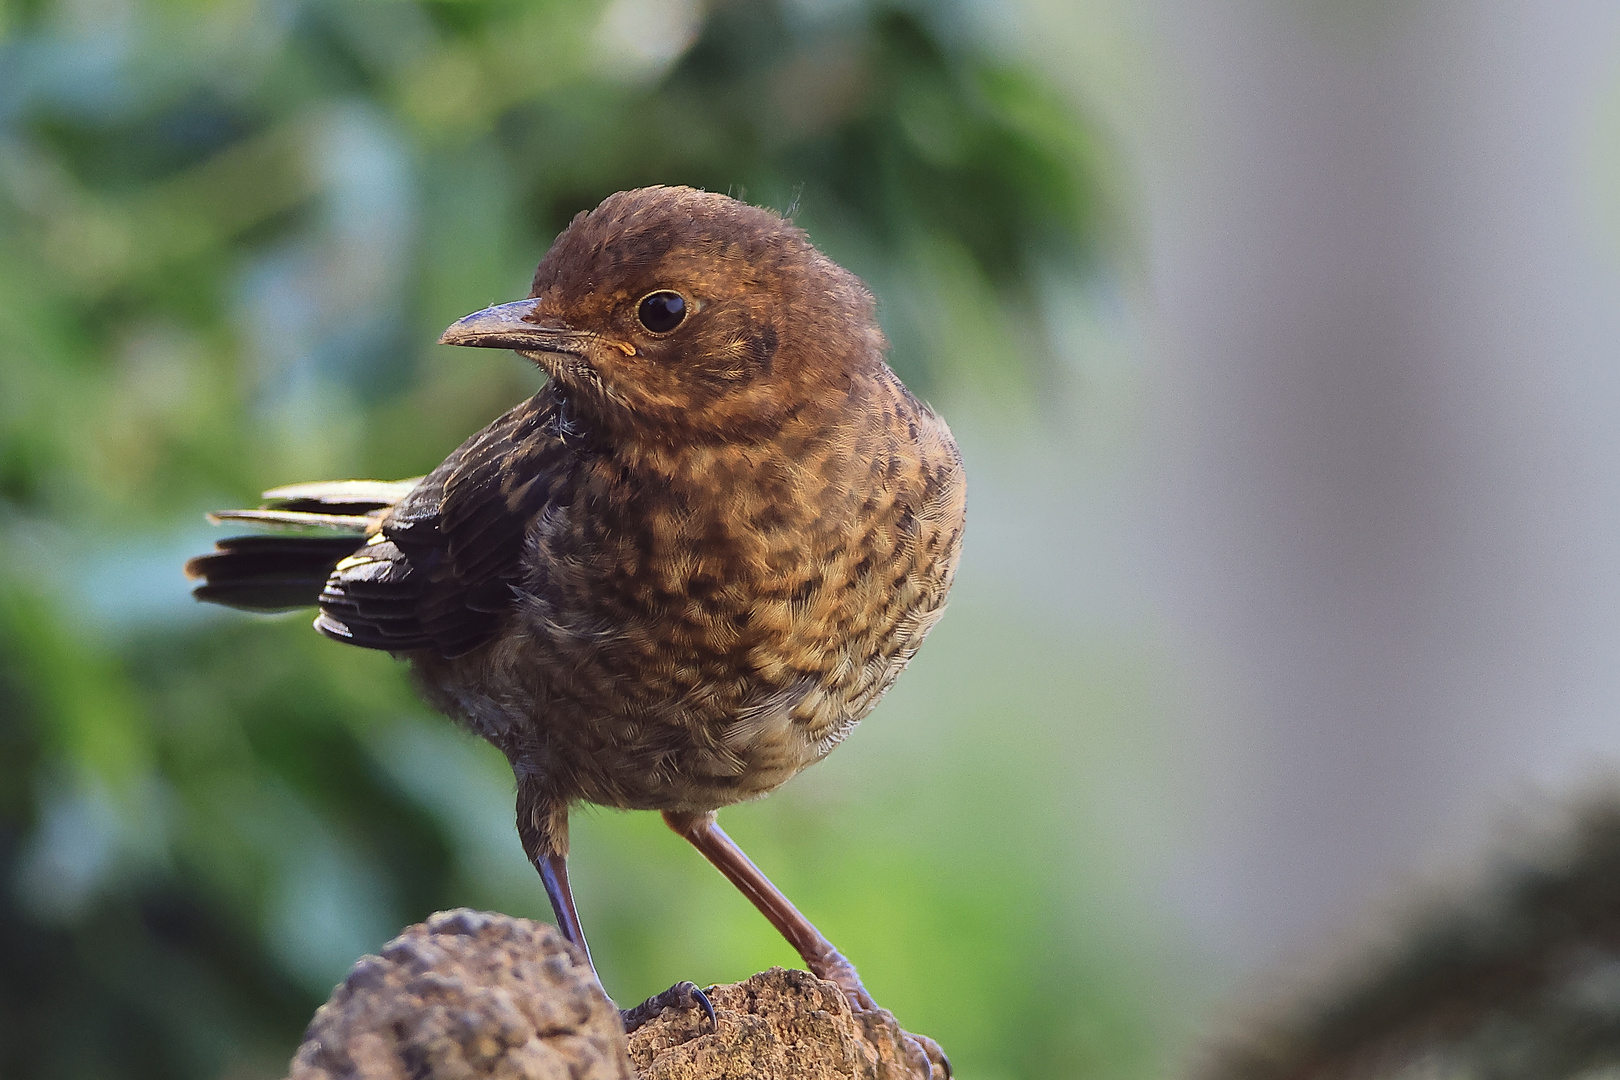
x: 471, y: 994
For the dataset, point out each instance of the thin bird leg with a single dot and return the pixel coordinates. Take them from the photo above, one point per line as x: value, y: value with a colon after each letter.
x: 543, y: 827
x: 554, y: 875
x: 824, y: 961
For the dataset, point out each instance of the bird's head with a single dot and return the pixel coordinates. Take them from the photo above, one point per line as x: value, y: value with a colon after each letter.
x: 679, y: 314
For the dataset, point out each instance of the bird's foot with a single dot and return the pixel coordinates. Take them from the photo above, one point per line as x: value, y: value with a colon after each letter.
x: 834, y: 968
x: 683, y: 995
x: 924, y: 1052
x: 938, y: 1063
x: 925, y: 1056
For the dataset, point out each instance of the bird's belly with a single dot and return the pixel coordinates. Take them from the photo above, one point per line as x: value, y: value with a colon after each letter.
x: 686, y: 735
x: 693, y: 747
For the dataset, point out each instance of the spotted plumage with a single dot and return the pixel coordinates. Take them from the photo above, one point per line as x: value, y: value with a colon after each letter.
x: 683, y: 570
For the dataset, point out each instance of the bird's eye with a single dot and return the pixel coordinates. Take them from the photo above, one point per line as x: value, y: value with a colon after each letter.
x: 661, y: 311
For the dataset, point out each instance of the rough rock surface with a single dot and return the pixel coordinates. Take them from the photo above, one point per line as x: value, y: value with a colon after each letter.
x: 473, y: 995
x: 467, y: 994
x: 778, y: 1025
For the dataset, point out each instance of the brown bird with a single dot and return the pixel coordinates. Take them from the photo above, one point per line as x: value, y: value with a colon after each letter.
x: 679, y: 573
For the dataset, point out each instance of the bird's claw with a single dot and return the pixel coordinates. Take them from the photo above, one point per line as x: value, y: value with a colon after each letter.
x: 939, y: 1064
x: 926, y: 1054
x: 683, y: 995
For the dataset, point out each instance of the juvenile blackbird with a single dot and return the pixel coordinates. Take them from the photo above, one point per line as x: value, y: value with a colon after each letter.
x: 679, y: 573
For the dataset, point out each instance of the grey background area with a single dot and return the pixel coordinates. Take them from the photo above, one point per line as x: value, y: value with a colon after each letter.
x: 1371, y: 476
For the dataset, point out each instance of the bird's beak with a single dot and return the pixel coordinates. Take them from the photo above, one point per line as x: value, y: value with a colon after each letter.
x: 512, y: 326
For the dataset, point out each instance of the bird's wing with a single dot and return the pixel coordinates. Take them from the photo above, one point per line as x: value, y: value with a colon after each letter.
x: 439, y: 574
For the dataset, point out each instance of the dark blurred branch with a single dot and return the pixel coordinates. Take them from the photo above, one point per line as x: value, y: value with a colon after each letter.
x: 1521, y: 979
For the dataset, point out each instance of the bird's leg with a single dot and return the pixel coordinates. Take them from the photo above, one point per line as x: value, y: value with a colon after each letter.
x: 824, y: 961
x: 543, y: 828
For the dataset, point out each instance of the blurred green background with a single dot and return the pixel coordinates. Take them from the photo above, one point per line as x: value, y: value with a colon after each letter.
x: 1279, y: 336
x: 230, y: 233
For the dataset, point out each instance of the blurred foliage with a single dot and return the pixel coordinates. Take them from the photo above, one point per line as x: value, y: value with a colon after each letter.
x: 228, y: 233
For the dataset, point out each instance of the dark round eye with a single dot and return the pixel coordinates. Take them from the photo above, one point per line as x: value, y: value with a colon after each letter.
x: 661, y: 311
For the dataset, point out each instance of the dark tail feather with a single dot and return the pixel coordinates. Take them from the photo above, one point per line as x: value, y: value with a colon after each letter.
x: 283, y: 572
x: 269, y: 573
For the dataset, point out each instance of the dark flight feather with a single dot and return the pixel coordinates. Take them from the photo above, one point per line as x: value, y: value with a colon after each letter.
x: 268, y: 573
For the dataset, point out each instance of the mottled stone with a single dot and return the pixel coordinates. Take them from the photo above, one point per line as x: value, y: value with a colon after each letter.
x: 466, y: 995
x: 778, y: 1025
x: 470, y: 995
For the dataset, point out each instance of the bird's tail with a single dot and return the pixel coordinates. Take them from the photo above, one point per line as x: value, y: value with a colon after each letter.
x: 309, y: 529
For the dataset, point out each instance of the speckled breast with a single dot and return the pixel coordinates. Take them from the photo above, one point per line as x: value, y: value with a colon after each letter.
x: 707, y: 623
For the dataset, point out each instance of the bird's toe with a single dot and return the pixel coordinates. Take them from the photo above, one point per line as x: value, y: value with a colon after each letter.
x: 939, y: 1064
x: 683, y: 995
